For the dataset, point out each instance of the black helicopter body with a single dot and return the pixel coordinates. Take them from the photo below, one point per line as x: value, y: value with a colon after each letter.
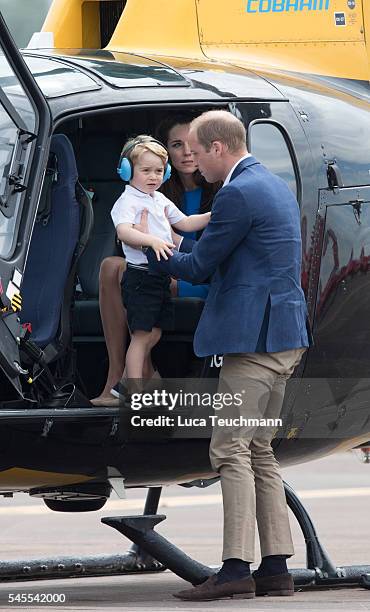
x: 314, y: 132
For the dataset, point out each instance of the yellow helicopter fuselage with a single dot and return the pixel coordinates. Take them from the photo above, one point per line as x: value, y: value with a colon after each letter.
x: 321, y: 37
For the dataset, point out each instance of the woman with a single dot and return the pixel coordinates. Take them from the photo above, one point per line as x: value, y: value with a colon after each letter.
x: 190, y: 192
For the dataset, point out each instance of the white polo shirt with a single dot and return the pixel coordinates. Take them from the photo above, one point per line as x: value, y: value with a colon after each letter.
x: 128, y: 209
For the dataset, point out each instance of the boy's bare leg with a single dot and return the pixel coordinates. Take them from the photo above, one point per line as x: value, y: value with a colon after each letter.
x: 148, y: 371
x: 114, y: 318
x: 138, y: 356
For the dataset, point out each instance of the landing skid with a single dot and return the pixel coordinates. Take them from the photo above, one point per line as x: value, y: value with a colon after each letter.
x: 151, y: 552
x: 320, y: 571
x: 135, y: 560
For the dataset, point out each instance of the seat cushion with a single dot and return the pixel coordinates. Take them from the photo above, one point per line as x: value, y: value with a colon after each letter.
x: 187, y: 313
x: 86, y: 318
x: 87, y: 322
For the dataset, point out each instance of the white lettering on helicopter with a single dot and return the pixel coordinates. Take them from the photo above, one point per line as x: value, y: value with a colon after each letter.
x: 217, y: 361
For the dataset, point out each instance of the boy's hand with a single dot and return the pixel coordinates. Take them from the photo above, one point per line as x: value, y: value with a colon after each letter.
x: 161, y: 247
x: 143, y: 225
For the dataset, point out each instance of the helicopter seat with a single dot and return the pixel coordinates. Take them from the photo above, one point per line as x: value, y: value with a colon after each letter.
x: 187, y: 311
x: 62, y: 227
x: 99, y: 177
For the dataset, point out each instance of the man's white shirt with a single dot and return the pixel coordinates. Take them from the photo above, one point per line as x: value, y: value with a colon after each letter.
x: 227, y: 179
x: 128, y: 209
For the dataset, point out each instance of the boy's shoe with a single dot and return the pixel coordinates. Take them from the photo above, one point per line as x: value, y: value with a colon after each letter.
x: 120, y: 392
x: 279, y: 585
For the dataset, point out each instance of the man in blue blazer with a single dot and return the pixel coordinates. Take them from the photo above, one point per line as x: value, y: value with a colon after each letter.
x: 255, y: 316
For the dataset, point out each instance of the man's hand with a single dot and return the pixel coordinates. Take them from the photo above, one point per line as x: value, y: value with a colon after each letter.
x: 161, y: 247
x: 143, y: 225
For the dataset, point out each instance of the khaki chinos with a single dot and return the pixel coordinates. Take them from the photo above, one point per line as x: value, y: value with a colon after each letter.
x: 251, y: 484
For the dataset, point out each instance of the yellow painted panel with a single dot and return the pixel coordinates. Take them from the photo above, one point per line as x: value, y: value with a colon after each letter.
x: 344, y: 60
x: 256, y: 21
x: 75, y: 23
x: 20, y: 479
x: 64, y: 19
x: 304, y: 40
x: 166, y: 27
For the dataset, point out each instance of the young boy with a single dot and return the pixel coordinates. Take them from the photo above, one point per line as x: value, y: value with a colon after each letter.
x: 146, y: 295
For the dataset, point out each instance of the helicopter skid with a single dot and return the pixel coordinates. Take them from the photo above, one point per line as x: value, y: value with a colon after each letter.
x: 152, y: 552
x: 131, y: 562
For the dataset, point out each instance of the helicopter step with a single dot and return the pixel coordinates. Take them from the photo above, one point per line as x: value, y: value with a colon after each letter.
x: 140, y: 529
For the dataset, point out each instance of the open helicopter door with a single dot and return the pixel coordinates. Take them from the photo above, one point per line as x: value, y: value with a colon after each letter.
x: 25, y: 123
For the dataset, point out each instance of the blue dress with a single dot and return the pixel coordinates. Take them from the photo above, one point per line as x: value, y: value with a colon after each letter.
x: 191, y: 205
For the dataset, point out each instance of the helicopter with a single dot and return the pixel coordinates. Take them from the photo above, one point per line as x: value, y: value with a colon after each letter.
x: 98, y: 73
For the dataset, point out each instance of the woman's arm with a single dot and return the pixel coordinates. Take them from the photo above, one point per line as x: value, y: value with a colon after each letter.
x: 193, y: 223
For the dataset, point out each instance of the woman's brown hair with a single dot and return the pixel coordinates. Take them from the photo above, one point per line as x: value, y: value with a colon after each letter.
x: 173, y: 189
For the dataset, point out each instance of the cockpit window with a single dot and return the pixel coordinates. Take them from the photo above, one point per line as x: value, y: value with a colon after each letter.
x: 14, y: 92
x: 8, y: 138
x: 124, y: 69
x: 56, y: 79
x: 17, y: 130
x: 269, y: 146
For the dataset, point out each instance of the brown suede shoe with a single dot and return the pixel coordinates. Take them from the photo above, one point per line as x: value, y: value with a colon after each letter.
x: 281, y: 584
x: 209, y: 590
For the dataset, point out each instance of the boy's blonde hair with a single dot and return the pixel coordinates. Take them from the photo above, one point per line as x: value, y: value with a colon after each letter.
x: 222, y: 126
x: 135, y: 147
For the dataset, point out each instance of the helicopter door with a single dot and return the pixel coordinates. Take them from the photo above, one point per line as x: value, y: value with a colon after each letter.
x: 25, y: 123
x: 341, y: 328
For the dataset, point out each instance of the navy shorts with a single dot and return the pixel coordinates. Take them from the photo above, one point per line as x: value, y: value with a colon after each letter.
x: 147, y: 299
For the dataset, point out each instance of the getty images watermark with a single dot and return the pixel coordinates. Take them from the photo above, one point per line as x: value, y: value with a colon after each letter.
x: 169, y: 401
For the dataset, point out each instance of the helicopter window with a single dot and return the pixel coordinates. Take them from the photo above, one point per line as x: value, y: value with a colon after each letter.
x: 131, y: 71
x: 56, y: 79
x: 17, y: 127
x: 270, y: 147
x: 8, y: 139
x: 20, y: 107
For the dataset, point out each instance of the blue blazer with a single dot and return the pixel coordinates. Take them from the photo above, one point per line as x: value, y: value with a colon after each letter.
x: 251, y: 252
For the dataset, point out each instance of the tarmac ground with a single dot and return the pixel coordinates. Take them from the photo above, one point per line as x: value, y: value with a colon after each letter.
x: 335, y: 490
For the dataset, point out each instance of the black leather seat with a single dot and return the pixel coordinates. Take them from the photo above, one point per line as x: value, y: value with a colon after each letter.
x: 87, y: 320
x: 187, y: 311
x: 86, y: 317
x: 97, y: 172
